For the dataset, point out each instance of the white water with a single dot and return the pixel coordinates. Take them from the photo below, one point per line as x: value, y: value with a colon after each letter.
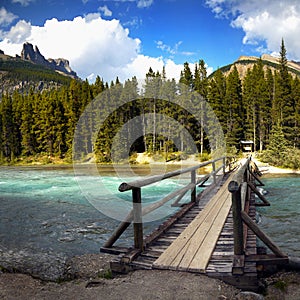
x: 45, y: 210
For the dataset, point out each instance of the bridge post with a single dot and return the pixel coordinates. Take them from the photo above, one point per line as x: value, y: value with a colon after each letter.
x: 235, y: 189
x: 214, y: 172
x: 193, y: 180
x: 137, y: 218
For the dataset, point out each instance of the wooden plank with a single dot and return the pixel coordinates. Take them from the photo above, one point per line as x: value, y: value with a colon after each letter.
x: 189, y: 250
x: 166, y: 225
x: 183, y: 249
x: 168, y: 256
x: 238, y: 264
x: 180, y: 245
x: 204, y: 253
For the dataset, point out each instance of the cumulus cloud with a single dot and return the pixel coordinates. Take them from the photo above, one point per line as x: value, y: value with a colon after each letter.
x: 6, y: 17
x: 93, y: 46
x: 19, y: 33
x: 264, y: 21
x: 140, y: 66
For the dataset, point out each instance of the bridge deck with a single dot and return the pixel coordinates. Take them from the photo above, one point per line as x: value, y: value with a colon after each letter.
x: 192, y: 250
x: 218, y: 255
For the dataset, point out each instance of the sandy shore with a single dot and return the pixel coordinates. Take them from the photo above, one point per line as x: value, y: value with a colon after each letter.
x: 265, y: 168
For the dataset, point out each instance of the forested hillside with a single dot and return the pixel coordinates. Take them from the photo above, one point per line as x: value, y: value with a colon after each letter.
x: 264, y: 107
x: 21, y: 75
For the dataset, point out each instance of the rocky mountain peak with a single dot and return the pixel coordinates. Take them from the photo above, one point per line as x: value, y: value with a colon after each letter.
x: 34, y: 55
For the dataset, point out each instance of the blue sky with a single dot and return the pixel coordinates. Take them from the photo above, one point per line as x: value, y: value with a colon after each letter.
x: 125, y: 37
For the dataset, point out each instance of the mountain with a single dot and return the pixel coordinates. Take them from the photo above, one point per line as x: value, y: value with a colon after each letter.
x: 34, y: 55
x: 246, y: 62
x: 32, y: 70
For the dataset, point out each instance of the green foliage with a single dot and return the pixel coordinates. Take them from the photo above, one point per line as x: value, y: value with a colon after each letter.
x: 279, y: 152
x: 133, y: 158
x: 264, y: 107
x: 20, y: 70
x: 204, y: 156
x: 106, y: 274
x: 281, y: 285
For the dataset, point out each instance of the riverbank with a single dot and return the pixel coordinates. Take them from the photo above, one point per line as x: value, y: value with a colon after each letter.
x: 145, y: 159
x: 266, y: 168
x: 93, y: 280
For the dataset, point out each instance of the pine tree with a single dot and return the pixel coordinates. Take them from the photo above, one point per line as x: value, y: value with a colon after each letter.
x: 216, y: 97
x: 283, y: 108
x: 234, y: 107
x: 295, y: 138
x: 27, y: 125
x: 278, y: 147
x: 201, y: 86
x: 8, y: 129
x: 256, y: 104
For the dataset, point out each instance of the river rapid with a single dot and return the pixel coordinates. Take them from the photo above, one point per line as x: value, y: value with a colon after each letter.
x: 47, y: 215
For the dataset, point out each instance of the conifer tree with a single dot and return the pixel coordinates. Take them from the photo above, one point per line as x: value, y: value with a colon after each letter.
x: 186, y: 76
x: 8, y: 128
x: 283, y: 106
x: 295, y: 138
x: 234, y: 107
x: 216, y: 96
x: 256, y: 105
x: 27, y: 125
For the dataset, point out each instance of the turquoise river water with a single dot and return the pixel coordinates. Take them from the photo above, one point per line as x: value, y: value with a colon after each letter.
x: 46, y: 209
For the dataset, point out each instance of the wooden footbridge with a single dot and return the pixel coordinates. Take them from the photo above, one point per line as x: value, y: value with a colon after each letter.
x: 214, y: 234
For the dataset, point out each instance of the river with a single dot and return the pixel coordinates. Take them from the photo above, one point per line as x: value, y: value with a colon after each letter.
x: 281, y: 220
x: 49, y: 210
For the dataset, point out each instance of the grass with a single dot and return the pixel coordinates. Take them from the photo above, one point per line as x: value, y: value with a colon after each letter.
x: 281, y: 285
x: 106, y: 274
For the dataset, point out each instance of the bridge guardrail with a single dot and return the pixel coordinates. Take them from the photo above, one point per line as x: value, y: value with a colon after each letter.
x: 135, y: 216
x: 241, y: 187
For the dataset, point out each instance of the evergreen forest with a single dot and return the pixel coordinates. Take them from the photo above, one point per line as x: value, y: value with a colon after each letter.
x: 263, y: 107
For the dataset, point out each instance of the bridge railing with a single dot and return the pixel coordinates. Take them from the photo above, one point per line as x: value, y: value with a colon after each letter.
x: 242, y: 187
x: 135, y: 216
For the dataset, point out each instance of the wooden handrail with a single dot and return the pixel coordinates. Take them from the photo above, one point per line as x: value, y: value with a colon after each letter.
x: 241, y: 187
x: 138, y: 212
x: 153, y: 179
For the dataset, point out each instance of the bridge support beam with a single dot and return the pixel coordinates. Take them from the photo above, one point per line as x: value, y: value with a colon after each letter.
x: 137, y: 218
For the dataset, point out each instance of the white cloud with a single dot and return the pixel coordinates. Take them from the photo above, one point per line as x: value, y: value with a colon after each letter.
x: 139, y: 3
x: 264, y: 21
x: 106, y: 12
x: 171, y: 50
x: 19, y: 33
x: 144, y: 3
x: 91, y: 44
x: 135, y: 22
x: 6, y: 17
x: 23, y: 2
x: 140, y: 66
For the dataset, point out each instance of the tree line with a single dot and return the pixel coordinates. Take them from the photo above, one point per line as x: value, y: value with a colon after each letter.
x: 262, y: 106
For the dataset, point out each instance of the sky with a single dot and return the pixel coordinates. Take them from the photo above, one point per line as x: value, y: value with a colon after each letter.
x: 125, y: 38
